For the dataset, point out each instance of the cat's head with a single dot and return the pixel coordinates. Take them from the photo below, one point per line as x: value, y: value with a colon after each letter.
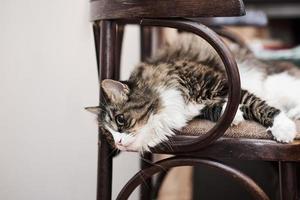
x: 130, y: 114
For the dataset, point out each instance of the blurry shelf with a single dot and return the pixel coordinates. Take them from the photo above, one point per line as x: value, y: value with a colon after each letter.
x: 276, y: 8
x: 271, y: 1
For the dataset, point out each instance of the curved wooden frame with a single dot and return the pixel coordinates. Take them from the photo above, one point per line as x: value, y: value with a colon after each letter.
x: 165, y: 164
x: 232, y: 75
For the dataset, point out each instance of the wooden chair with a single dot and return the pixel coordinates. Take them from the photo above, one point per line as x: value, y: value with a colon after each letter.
x: 110, y: 17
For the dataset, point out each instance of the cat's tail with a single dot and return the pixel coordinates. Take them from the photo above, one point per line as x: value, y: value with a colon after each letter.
x: 185, y: 46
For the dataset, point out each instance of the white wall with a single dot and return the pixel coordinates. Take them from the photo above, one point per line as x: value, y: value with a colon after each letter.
x: 48, y: 143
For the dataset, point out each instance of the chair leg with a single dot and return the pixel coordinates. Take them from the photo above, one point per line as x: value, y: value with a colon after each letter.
x: 146, y: 187
x: 146, y: 51
x: 105, y: 36
x: 288, y: 181
x: 159, y: 182
x: 104, y: 179
x: 119, y: 43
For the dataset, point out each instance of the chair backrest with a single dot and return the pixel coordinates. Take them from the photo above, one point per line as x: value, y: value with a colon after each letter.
x: 133, y: 9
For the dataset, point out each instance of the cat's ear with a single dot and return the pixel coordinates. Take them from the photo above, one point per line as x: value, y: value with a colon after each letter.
x: 95, y: 109
x: 115, y: 91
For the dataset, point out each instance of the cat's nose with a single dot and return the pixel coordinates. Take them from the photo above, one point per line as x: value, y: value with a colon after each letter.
x: 120, y: 141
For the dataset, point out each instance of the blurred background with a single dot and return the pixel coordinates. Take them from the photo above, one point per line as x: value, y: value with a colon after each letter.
x: 48, y: 74
x: 48, y: 142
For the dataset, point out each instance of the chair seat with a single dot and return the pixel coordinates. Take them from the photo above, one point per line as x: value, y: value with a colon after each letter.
x: 248, y: 141
x: 246, y: 129
x: 130, y: 9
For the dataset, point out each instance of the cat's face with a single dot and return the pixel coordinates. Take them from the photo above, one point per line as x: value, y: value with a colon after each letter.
x: 127, y: 115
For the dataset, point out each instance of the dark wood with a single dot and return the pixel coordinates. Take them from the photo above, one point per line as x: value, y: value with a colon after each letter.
x: 119, y: 44
x: 243, y: 149
x: 146, y: 158
x: 96, y: 31
x: 122, y: 9
x: 158, y: 183
x: 106, y: 70
x: 233, y: 82
x: 146, y: 186
x: 146, y: 36
x: 288, y: 181
x: 256, y: 192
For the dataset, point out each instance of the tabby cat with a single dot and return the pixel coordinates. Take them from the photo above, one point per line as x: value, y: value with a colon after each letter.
x: 186, y: 79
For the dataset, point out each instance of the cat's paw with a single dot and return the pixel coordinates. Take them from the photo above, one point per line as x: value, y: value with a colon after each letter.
x: 294, y: 113
x: 238, y: 118
x: 283, y: 129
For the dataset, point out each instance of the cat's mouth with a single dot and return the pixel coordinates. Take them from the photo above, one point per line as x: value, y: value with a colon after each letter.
x: 121, y: 147
x: 123, y: 141
x: 129, y: 146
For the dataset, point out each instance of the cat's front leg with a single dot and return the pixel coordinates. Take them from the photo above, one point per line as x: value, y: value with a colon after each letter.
x: 214, y: 111
x: 282, y: 127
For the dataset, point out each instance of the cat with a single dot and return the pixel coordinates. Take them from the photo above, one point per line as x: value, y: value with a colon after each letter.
x: 186, y: 79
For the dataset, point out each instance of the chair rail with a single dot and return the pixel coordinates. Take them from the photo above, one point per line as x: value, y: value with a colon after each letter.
x: 245, y: 181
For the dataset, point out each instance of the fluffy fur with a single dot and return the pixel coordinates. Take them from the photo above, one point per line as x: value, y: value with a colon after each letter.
x: 186, y: 80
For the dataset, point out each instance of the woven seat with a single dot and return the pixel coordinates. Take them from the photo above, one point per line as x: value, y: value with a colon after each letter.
x: 247, y: 129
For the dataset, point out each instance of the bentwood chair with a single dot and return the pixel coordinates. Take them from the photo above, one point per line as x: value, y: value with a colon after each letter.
x: 193, y: 145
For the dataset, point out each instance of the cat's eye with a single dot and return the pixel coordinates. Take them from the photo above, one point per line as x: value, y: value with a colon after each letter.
x: 120, y: 120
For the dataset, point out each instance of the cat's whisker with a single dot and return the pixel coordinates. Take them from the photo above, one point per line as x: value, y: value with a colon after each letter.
x: 102, y: 110
x: 132, y: 134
